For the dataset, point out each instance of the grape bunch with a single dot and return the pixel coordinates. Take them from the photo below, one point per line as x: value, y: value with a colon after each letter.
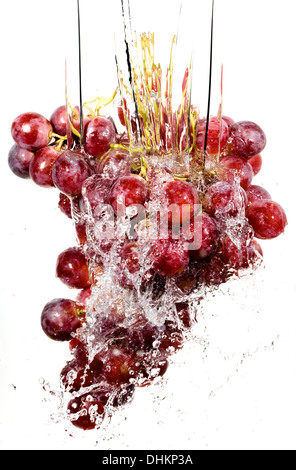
x: 149, y: 245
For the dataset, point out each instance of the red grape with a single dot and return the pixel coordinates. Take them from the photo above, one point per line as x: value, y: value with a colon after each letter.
x: 213, y: 271
x: 129, y: 262
x: 65, y: 205
x: 246, y: 139
x: 224, y: 199
x: 96, y: 194
x: 238, y: 168
x: 60, y: 319
x: 84, y: 411
x: 218, y: 134
x: 257, y: 193
x: 204, y: 238
x: 69, y: 172
x: 115, y: 164
x: 72, y: 268
x: 141, y: 337
x: 169, y: 257
x: 181, y: 201
x: 99, y: 134
x: 120, y: 366
x: 59, y: 121
x: 41, y: 166
x: 31, y: 131
x: 229, y: 121
x: 128, y: 191
x: 19, y: 161
x: 256, y: 163
x: 239, y: 254
x: 267, y: 218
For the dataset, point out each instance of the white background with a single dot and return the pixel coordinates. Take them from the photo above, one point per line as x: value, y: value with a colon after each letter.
x: 239, y: 391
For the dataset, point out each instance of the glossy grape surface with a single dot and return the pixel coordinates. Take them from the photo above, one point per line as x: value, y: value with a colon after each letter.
x: 224, y: 199
x: 60, y: 319
x: 19, y: 160
x: 41, y: 166
x: 181, y: 200
x: 246, y: 139
x: 218, y: 133
x: 99, y: 134
x: 169, y: 257
x: 238, y: 168
x: 69, y: 172
x: 267, y: 218
x: 31, y: 131
x: 131, y: 190
x: 72, y: 268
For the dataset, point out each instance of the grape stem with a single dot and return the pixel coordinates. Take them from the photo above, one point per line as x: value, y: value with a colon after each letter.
x: 60, y: 140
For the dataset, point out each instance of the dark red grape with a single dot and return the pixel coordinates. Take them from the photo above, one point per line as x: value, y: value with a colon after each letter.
x: 65, y: 205
x: 19, y: 160
x: 218, y: 134
x: 81, y: 233
x: 224, y: 199
x: 246, y: 139
x: 188, y: 279
x: 183, y: 312
x: 72, y: 377
x: 60, y: 319
x: 99, y: 134
x: 173, y: 338
x: 41, y: 166
x: 69, y: 172
x: 128, y: 191
x: 181, y: 200
x: 238, y: 168
x: 153, y: 283
x: 267, y: 218
x: 257, y: 193
x: 169, y: 257
x: 84, y: 412
x: 79, y: 351
x: 123, y: 396
x: 31, y: 131
x: 153, y: 367
x: 142, y: 337
x: 72, y: 268
x: 213, y: 271
x: 120, y: 366
x: 59, y: 120
x: 256, y: 163
x: 204, y: 237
